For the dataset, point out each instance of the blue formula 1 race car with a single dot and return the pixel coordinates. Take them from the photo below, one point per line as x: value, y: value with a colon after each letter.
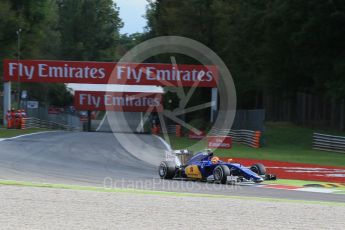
x: 204, y: 166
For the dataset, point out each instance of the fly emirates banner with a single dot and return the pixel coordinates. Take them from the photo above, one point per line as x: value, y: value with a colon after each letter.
x: 110, y: 73
x: 117, y: 101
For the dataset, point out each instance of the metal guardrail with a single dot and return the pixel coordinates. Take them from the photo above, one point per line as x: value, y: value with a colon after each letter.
x: 32, y: 122
x: 171, y: 129
x: 327, y: 142
x: 247, y: 137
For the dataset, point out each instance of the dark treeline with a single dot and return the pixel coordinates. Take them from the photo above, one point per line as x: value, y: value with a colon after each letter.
x: 61, y: 30
x: 286, y: 56
x: 280, y: 52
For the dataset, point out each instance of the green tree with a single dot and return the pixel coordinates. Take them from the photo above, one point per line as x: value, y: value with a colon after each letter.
x: 273, y: 47
x: 39, y: 36
x: 128, y: 41
x: 8, y: 24
x: 89, y: 29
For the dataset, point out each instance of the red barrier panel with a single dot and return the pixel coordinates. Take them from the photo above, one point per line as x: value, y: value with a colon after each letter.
x: 178, y: 131
x: 247, y: 137
x: 221, y: 142
x: 199, y: 136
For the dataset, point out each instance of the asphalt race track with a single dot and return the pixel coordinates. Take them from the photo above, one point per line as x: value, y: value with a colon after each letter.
x: 98, y: 159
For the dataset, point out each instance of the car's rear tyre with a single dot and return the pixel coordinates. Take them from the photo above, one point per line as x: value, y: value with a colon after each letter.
x: 259, y: 169
x: 220, y: 174
x: 167, y: 169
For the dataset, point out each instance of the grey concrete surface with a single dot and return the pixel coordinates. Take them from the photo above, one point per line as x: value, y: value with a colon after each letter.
x: 98, y: 159
x: 125, y: 122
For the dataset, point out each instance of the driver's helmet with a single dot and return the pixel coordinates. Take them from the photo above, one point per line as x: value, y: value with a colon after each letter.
x: 214, y: 160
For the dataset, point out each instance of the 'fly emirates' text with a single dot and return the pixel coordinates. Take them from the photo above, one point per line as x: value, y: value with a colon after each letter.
x: 120, y: 72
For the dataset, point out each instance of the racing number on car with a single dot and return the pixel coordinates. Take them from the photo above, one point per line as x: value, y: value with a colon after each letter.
x: 192, y: 171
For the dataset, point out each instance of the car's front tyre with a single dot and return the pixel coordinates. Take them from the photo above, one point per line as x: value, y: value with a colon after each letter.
x: 221, y: 173
x: 259, y: 169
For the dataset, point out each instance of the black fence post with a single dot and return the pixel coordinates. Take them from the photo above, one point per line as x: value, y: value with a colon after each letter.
x: 89, y: 121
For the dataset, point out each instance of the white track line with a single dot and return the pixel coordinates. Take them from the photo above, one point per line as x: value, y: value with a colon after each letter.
x: 164, y: 142
x: 25, y: 135
x: 319, y: 190
x: 100, y: 124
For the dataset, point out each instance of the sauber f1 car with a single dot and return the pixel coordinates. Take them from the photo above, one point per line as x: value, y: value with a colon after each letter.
x: 204, y: 166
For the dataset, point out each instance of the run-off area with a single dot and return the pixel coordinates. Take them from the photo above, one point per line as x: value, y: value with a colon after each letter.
x: 72, y: 209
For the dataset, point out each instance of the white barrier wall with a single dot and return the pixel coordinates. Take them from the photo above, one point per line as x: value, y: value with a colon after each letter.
x: 328, y: 142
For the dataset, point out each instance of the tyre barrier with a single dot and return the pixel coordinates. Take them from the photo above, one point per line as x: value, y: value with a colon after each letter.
x: 247, y: 137
x: 327, y: 142
x: 32, y: 122
x: 156, y: 129
x: 23, y: 123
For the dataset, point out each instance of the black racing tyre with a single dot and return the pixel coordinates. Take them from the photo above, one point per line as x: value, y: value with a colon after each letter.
x: 259, y: 169
x: 167, y: 169
x: 220, y: 174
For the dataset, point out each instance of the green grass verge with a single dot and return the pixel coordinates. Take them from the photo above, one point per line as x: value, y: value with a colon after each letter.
x: 284, y: 142
x: 6, y: 133
x: 152, y: 192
